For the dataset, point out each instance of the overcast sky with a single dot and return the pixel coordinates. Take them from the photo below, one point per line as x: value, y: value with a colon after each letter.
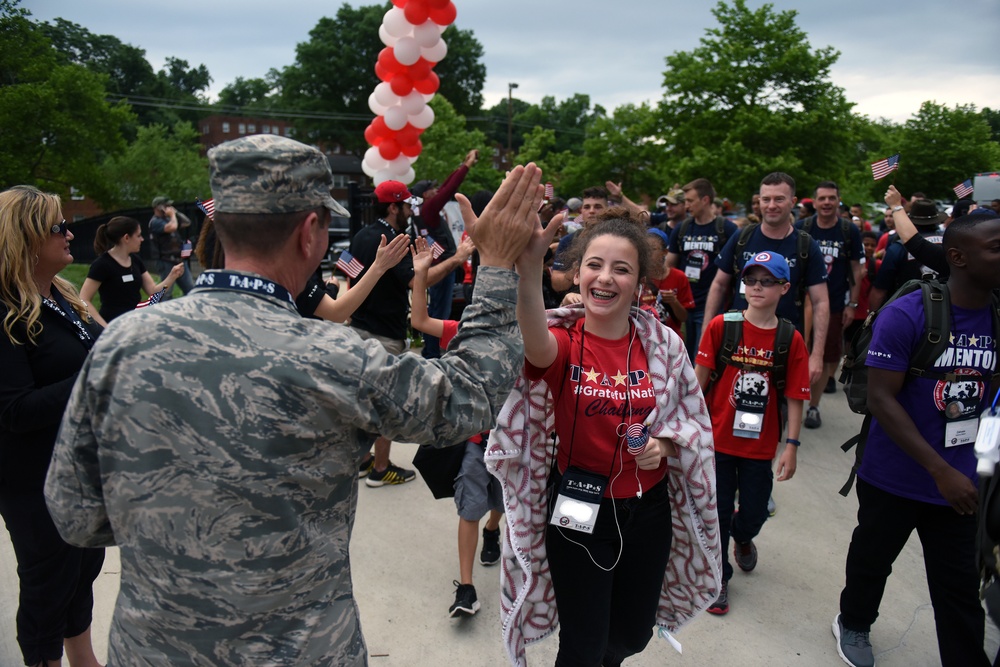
x: 894, y: 53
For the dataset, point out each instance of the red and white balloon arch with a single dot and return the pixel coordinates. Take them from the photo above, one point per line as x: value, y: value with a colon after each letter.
x: 411, y: 32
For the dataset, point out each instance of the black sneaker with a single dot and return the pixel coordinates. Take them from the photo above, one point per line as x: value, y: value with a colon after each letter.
x: 490, y: 555
x: 831, y: 386
x: 721, y: 606
x: 391, y: 475
x: 465, y: 600
x: 366, y: 465
x: 854, y: 647
x: 745, y: 555
x: 813, y: 420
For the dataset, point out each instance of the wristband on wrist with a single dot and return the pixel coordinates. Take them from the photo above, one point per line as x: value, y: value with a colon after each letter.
x: 897, y: 208
x: 793, y: 441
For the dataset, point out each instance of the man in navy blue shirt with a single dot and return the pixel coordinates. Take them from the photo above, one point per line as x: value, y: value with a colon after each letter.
x: 840, y: 242
x: 776, y: 234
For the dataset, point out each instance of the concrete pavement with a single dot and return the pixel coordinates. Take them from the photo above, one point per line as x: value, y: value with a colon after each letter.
x: 404, y: 560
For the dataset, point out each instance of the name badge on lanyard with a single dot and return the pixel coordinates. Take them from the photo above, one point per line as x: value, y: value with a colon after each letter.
x: 127, y: 278
x: 750, y: 407
x: 961, y: 421
x: 693, y: 268
x: 579, y: 500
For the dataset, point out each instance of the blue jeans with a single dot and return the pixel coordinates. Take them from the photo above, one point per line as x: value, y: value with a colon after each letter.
x: 438, y: 306
x: 692, y: 331
x: 754, y: 479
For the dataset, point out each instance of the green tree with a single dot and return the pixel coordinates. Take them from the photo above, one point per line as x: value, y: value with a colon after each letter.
x: 256, y: 93
x: 160, y: 160
x: 940, y: 147
x: 540, y: 147
x: 446, y: 143
x: 55, y: 125
x: 754, y: 97
x: 622, y: 148
x: 334, y: 72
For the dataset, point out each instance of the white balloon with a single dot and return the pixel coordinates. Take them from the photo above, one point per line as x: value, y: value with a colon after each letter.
x: 387, y: 39
x: 427, y: 35
x: 383, y: 175
x: 408, y: 176
x: 407, y: 51
x: 375, y: 160
x: 383, y: 93
x: 395, y: 118
x: 413, y: 103
x: 428, y: 98
x: 422, y: 120
x: 395, y: 23
x: 435, y: 54
x: 369, y: 172
x: 373, y: 104
x: 399, y: 165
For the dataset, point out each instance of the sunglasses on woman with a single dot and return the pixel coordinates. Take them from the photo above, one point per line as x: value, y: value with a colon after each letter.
x: 60, y: 228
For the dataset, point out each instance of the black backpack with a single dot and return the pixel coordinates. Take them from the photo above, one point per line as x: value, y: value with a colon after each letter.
x: 802, y: 250
x: 845, y: 229
x: 937, y: 329
x: 732, y: 332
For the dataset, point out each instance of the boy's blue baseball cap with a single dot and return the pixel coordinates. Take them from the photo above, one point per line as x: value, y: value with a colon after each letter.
x: 773, y: 262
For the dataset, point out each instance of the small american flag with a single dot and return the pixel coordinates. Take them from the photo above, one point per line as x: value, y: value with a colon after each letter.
x: 436, y: 249
x: 549, y: 191
x: 349, y: 265
x: 156, y: 298
x: 963, y: 190
x: 883, y: 168
x: 636, y: 436
x: 207, y: 207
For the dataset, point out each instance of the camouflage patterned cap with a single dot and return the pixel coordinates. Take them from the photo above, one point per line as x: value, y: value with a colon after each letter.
x: 265, y: 173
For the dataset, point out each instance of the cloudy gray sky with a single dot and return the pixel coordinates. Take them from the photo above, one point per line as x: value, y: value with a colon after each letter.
x: 894, y: 53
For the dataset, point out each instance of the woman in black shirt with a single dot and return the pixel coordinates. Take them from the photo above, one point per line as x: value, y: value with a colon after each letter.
x: 118, y: 273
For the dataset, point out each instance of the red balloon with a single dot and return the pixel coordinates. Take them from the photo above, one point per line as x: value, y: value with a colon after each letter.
x: 444, y: 16
x: 429, y: 85
x: 401, y: 84
x: 389, y: 149
x: 387, y: 59
x: 382, y: 73
x: 408, y: 136
x: 420, y: 69
x: 399, y: 3
x: 370, y: 136
x: 412, y: 150
x: 416, y: 11
x: 437, y: 4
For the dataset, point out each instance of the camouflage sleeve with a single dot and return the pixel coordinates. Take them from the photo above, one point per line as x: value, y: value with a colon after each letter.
x: 73, y: 485
x: 444, y: 401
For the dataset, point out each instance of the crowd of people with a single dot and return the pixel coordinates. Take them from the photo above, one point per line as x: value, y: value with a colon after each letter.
x: 619, y: 384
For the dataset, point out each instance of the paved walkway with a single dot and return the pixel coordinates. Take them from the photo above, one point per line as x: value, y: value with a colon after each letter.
x: 404, y: 559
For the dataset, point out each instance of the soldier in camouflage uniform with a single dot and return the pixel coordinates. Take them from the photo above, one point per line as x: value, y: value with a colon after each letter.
x: 225, y: 466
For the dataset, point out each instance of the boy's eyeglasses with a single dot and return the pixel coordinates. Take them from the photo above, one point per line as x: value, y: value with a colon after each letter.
x: 750, y: 281
x: 60, y: 228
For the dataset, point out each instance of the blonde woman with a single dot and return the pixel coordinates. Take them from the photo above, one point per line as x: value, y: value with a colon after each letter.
x: 118, y: 273
x: 45, y: 335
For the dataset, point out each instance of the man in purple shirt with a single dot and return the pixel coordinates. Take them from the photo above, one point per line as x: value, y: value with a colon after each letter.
x: 919, y: 466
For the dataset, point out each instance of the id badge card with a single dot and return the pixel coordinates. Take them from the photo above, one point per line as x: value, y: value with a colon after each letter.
x: 579, y: 500
x: 693, y: 270
x: 127, y: 278
x: 749, y: 420
x: 961, y: 422
x: 186, y: 250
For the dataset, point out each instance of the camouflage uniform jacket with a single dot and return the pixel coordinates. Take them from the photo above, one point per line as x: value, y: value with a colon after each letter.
x: 215, y: 440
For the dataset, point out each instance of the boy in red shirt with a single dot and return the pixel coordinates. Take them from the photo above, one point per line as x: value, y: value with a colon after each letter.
x: 668, y: 291
x: 476, y: 491
x: 745, y: 411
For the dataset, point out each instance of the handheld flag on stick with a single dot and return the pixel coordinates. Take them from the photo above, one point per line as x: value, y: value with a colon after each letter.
x: 963, y: 190
x: 349, y: 265
x: 156, y: 298
x: 883, y: 168
x: 207, y: 207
